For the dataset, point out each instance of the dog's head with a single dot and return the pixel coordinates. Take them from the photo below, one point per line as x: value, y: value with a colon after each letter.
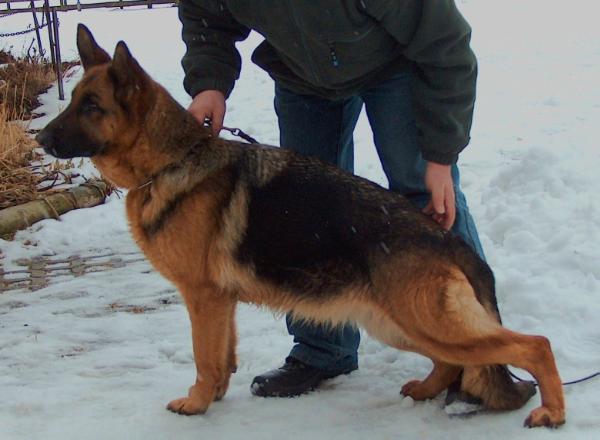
x: 107, y: 106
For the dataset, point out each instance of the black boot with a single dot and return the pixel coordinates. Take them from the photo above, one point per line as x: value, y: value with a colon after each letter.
x: 291, y: 379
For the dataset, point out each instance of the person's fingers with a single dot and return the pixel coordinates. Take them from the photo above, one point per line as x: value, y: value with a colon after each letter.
x: 217, y: 120
x: 450, y: 205
x: 447, y: 217
x: 200, y: 113
x: 437, y: 199
x: 209, y: 105
x: 428, y: 209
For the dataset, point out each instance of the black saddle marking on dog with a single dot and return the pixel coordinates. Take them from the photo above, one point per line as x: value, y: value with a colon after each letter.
x: 307, y: 232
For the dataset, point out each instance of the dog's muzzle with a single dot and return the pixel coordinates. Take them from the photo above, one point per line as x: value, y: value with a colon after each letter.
x: 51, y: 150
x: 44, y: 139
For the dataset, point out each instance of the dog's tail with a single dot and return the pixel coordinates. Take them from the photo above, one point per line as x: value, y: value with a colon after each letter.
x: 493, y: 387
x: 492, y: 384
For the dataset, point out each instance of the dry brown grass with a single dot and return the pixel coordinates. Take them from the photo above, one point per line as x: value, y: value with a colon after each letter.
x: 21, y: 82
x: 6, y: 57
x: 18, y: 183
x: 24, y: 79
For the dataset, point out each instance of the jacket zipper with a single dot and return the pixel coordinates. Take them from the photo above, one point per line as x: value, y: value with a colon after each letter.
x: 308, y: 56
x: 333, y: 54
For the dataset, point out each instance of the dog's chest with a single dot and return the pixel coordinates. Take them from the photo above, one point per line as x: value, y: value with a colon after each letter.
x: 178, y: 249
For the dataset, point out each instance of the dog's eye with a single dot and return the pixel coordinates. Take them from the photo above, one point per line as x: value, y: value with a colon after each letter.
x: 90, y: 106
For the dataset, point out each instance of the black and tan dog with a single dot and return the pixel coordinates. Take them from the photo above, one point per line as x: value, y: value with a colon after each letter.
x: 229, y: 222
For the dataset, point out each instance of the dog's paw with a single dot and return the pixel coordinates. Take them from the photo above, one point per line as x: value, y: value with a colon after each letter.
x: 417, y: 390
x: 542, y: 416
x: 187, y: 406
x: 220, y: 391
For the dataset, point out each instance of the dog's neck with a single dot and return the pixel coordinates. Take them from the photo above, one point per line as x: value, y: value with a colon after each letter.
x: 171, y: 129
x: 169, y: 133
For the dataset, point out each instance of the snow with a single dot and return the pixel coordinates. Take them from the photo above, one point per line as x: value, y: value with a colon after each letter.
x: 77, y: 363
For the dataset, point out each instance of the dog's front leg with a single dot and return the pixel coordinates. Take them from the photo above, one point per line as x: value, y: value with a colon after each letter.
x: 210, y: 315
x: 230, y: 355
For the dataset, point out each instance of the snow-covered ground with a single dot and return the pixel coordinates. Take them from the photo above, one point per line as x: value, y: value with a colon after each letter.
x: 74, y: 364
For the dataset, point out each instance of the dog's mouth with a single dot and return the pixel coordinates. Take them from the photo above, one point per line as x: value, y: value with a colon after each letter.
x: 70, y: 154
x: 50, y: 150
x: 61, y: 154
x: 57, y: 145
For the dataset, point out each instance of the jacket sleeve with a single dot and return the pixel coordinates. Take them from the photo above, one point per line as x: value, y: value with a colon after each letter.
x: 436, y: 37
x: 211, y: 61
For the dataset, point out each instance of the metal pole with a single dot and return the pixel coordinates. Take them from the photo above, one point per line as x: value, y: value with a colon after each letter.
x: 37, y: 29
x: 50, y: 36
x: 61, y: 91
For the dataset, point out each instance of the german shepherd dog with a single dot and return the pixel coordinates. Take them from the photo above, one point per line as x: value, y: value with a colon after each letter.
x: 227, y: 221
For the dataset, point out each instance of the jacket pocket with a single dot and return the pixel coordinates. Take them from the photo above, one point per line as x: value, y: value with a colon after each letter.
x: 361, y: 52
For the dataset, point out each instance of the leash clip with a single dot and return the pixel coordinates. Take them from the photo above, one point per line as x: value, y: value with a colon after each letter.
x: 234, y: 131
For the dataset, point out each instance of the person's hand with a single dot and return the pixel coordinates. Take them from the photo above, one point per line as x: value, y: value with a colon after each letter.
x: 442, y: 206
x: 209, y: 104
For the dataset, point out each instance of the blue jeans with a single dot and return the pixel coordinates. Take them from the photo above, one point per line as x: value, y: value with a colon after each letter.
x: 323, y: 128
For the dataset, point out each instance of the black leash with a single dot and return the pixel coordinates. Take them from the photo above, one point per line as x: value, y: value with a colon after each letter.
x: 583, y: 379
x: 234, y: 131
x: 238, y: 132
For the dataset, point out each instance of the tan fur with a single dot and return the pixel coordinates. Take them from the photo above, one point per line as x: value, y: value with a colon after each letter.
x: 412, y: 302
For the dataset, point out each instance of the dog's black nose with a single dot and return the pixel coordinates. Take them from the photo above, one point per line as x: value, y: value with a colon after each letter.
x: 44, y: 138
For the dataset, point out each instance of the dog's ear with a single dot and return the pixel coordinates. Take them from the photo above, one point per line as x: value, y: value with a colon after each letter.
x: 127, y: 75
x: 90, y: 53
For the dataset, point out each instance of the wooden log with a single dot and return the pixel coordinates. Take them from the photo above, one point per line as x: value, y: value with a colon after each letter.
x: 19, y: 217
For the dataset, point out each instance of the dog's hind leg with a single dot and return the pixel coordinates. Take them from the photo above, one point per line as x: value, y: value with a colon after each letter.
x: 446, y: 322
x: 531, y: 353
x: 210, y: 313
x: 438, y: 380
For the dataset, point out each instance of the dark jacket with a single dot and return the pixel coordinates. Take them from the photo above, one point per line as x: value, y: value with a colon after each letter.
x: 335, y: 48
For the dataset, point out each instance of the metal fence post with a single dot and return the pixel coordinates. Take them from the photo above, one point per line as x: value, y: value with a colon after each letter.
x: 50, y: 32
x: 37, y: 29
x: 61, y: 91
